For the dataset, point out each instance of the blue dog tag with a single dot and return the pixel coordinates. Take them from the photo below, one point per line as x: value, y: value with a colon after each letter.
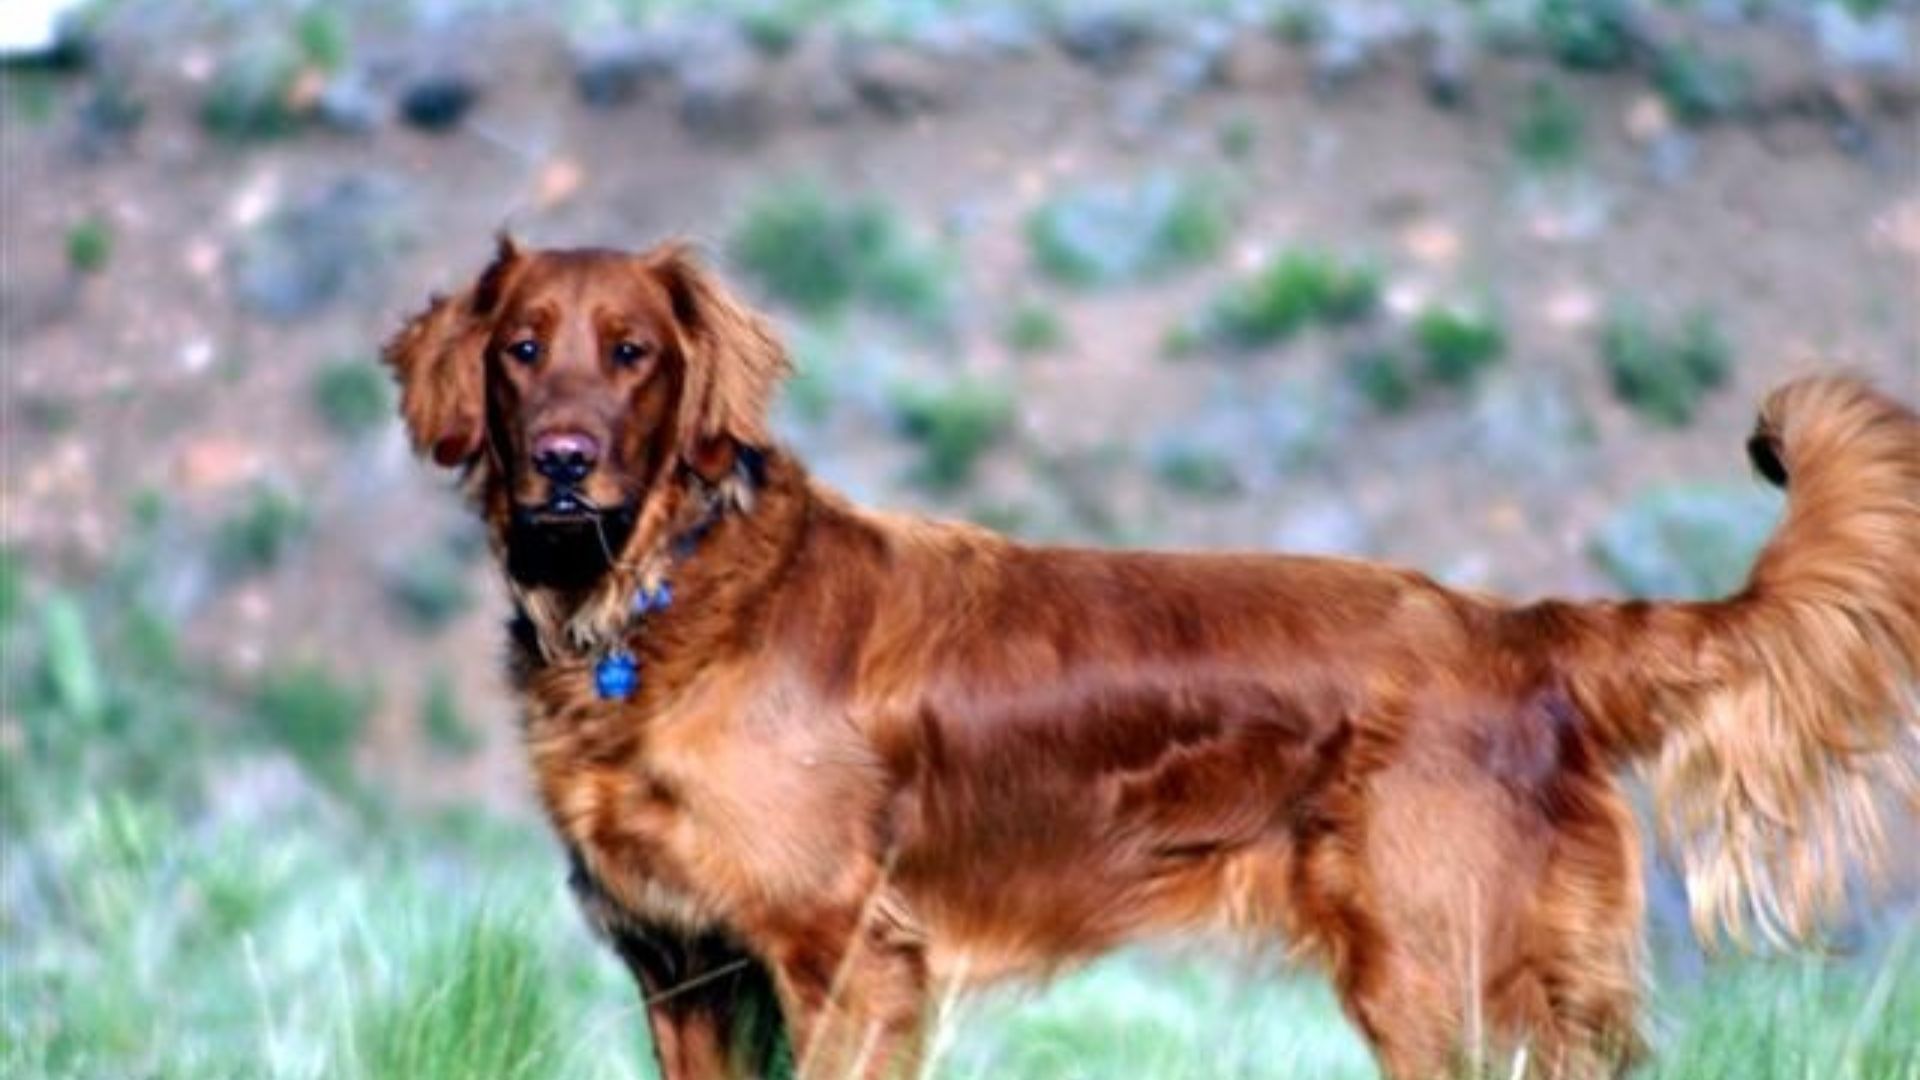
x: 616, y: 676
x: 645, y: 601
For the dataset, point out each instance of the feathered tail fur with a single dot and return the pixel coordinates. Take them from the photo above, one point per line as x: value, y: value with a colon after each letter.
x: 1781, y: 726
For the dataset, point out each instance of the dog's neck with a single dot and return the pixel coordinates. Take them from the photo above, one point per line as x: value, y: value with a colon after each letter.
x: 701, y: 531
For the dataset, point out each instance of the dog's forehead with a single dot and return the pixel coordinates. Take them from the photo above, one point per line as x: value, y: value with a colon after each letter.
x: 587, y: 279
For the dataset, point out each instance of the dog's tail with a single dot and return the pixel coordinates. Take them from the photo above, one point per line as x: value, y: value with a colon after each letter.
x: 1781, y: 725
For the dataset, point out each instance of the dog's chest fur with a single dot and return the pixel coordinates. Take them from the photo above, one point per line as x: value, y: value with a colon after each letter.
x: 692, y: 809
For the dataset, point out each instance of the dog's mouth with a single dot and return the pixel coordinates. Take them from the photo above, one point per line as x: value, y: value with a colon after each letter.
x: 566, y: 542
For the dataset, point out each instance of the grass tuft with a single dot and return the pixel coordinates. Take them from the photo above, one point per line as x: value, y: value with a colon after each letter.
x: 1457, y: 345
x: 89, y: 246
x: 820, y: 255
x: 315, y: 716
x: 1120, y: 234
x: 476, y: 1005
x: 1664, y: 374
x: 260, y: 533
x: 1032, y: 328
x: 954, y: 424
x: 1382, y: 377
x: 352, y: 398
x: 1298, y: 288
x: 1550, y: 134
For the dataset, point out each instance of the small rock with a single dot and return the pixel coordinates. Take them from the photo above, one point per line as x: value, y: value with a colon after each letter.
x: 1861, y: 42
x: 897, y: 80
x: 348, y: 104
x: 216, y: 463
x: 820, y: 78
x: 301, y: 258
x: 559, y: 181
x: 1647, y: 119
x: 1449, y: 69
x: 437, y: 102
x: 722, y: 96
x: 1670, y: 158
x: 615, y: 70
x: 1107, y: 41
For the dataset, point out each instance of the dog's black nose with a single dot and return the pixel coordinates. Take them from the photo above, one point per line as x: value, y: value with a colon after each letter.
x: 565, y: 457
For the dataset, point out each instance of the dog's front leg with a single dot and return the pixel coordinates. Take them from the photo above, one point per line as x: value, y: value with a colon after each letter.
x: 711, y: 1007
x: 854, y: 989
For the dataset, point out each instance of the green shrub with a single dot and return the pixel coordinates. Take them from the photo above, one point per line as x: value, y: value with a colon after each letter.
x: 314, y: 716
x: 954, y: 424
x: 1699, y: 87
x: 1033, y: 328
x: 251, y: 96
x: 351, y: 397
x: 13, y: 583
x: 1590, y: 35
x: 1686, y: 542
x: 1663, y: 375
x: 430, y: 587
x: 260, y: 533
x: 1116, y: 234
x: 1456, y: 345
x: 1196, y: 470
x: 89, y: 245
x: 820, y: 255
x: 1237, y: 137
x: 1381, y: 376
x: 1550, y: 134
x: 1298, y: 288
x: 321, y: 34
x: 440, y: 720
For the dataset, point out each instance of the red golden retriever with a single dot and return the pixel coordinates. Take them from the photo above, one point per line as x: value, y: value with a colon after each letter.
x: 817, y: 766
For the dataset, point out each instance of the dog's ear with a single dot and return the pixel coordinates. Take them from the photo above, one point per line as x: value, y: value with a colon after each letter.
x: 734, y: 363
x: 439, y: 360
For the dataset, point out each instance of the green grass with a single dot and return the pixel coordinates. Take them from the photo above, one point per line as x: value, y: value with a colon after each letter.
x: 1383, y: 377
x: 251, y: 96
x: 252, y: 923
x: 1587, y: 35
x: 1457, y: 344
x: 441, y: 722
x: 1298, y: 289
x: 1115, y: 234
x: 1550, y: 134
x: 260, y: 532
x: 1664, y: 373
x: 1032, y: 328
x: 1686, y: 541
x: 1699, y: 86
x: 1196, y: 471
x: 316, y: 715
x: 89, y: 245
x: 954, y: 424
x: 821, y: 254
x: 430, y: 586
x: 352, y: 397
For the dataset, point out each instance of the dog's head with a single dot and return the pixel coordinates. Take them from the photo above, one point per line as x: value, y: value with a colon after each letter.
x: 578, y: 383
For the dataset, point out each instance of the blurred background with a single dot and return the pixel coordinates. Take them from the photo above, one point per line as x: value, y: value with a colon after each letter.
x: 1491, y: 289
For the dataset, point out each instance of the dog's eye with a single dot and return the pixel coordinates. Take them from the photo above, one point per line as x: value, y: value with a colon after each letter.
x: 628, y: 353
x: 526, y: 351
